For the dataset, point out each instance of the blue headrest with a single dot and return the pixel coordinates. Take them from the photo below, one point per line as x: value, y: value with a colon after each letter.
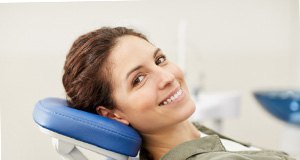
x: 55, y: 115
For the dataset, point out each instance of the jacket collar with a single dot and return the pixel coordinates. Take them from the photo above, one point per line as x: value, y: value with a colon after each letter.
x: 208, y: 131
x: 210, y: 143
x: 188, y: 149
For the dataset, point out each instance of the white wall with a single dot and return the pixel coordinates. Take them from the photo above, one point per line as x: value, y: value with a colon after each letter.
x: 241, y: 45
x: 297, y: 53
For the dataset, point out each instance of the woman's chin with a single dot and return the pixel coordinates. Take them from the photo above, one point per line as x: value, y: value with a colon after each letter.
x: 187, y: 112
x: 172, y: 116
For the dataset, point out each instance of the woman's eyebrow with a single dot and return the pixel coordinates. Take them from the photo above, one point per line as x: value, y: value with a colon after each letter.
x: 134, y: 69
x: 155, y: 52
x: 139, y: 66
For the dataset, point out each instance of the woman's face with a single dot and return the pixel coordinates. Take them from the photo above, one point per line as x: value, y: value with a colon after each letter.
x: 150, y: 91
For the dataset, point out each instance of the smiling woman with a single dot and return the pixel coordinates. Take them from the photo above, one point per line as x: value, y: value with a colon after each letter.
x: 119, y: 74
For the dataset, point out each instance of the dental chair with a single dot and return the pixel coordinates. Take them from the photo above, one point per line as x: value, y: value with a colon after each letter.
x: 70, y: 128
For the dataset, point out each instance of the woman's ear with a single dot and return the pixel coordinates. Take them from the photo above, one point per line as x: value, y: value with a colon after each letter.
x: 109, y: 113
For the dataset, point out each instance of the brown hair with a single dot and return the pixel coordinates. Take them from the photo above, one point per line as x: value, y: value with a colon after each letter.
x: 87, y: 78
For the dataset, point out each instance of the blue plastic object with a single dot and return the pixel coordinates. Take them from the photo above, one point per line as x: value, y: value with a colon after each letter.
x: 55, y: 115
x: 283, y: 104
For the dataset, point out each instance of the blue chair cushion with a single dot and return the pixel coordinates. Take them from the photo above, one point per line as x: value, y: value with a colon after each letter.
x: 54, y: 114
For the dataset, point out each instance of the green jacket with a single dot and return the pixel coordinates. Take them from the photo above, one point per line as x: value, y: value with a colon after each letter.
x: 211, y: 148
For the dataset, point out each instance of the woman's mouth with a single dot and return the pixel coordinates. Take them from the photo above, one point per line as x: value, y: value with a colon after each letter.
x: 172, y: 98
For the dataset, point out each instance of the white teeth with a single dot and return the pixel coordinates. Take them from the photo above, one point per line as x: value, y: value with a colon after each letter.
x: 173, y: 97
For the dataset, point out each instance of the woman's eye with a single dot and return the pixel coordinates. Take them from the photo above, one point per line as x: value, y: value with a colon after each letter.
x: 160, y: 60
x: 138, y: 80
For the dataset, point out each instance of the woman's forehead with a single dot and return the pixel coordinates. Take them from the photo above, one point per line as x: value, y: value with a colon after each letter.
x: 128, y: 53
x: 127, y: 45
x: 130, y: 47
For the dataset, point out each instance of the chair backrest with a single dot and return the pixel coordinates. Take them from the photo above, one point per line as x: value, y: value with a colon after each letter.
x: 55, y: 115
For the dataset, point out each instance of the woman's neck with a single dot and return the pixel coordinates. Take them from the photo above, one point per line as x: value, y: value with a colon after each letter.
x: 162, y: 141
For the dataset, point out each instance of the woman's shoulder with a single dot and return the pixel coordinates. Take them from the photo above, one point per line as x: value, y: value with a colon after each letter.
x: 243, y: 155
x: 211, y: 147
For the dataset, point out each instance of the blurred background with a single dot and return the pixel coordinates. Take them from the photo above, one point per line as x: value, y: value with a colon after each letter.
x: 224, y: 47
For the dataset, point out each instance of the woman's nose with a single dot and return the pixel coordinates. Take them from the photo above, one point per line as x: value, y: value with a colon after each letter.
x: 165, y: 79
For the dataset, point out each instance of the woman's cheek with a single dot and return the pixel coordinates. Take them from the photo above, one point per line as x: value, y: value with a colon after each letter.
x: 177, y: 71
x: 146, y: 98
